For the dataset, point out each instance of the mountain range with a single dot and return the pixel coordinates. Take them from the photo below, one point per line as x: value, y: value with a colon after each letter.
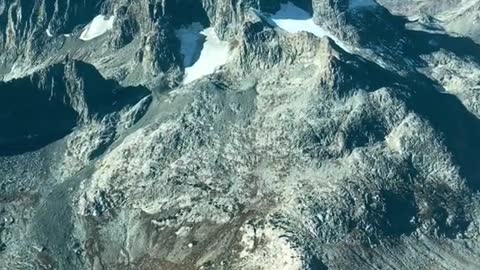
x: 245, y: 134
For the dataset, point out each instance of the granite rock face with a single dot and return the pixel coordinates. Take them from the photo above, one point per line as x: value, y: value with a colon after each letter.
x: 351, y: 144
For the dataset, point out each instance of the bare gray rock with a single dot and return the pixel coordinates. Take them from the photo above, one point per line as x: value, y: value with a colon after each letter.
x: 357, y: 149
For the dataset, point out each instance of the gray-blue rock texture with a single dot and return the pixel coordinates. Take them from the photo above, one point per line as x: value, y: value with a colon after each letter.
x: 359, y: 149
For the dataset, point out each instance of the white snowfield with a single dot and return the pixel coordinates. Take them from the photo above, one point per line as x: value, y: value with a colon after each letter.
x: 97, y: 27
x: 294, y: 19
x: 49, y: 33
x: 202, y: 50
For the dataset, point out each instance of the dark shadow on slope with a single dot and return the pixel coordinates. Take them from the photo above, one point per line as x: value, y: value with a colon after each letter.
x: 65, y: 16
x: 30, y: 116
x: 459, y: 127
x: 198, y: 51
x: 384, y: 32
x: 104, y: 96
x: 353, y: 72
x: 316, y: 264
x: 194, y: 49
x: 183, y: 14
x: 426, y: 43
x: 303, y: 4
x: 186, y: 12
x: 376, y: 24
x: 400, y: 207
x: 46, y: 106
x: 292, y: 12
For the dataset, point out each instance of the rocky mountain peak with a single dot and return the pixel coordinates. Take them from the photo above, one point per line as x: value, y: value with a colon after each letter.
x: 247, y: 134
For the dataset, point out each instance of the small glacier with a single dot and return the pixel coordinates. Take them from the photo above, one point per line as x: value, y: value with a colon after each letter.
x: 97, y: 27
x: 203, y: 52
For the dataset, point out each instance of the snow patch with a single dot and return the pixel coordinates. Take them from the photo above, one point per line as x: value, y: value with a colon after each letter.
x: 202, y: 50
x: 97, y: 27
x: 49, y: 33
x: 294, y: 19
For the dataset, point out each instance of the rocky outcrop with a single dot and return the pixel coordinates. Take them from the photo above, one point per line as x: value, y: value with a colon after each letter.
x: 355, y: 149
x: 457, y: 16
x: 23, y: 24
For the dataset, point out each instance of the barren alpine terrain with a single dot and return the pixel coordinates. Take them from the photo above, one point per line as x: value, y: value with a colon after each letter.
x: 239, y: 135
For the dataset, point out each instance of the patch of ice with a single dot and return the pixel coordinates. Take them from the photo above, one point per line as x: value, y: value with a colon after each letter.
x: 48, y: 32
x: 362, y: 3
x: 202, y: 50
x: 97, y: 27
x: 294, y: 19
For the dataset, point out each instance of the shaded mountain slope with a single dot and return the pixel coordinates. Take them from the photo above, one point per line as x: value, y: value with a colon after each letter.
x: 351, y: 144
x: 47, y: 105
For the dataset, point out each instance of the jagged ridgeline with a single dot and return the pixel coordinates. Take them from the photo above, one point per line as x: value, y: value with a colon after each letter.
x: 232, y: 135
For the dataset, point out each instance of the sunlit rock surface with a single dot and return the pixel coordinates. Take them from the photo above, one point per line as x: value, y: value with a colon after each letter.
x: 239, y: 135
